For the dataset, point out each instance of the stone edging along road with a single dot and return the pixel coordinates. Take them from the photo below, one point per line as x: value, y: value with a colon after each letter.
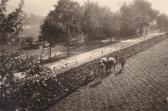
x: 87, y: 57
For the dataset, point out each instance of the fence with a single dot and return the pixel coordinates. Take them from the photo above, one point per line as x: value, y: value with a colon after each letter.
x: 44, y: 53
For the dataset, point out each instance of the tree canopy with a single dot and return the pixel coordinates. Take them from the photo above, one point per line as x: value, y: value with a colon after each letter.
x: 11, y: 24
x: 162, y: 21
x: 136, y: 15
x: 96, y: 22
x: 61, y: 21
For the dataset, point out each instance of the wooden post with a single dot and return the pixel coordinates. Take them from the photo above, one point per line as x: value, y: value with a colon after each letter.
x: 110, y: 39
x: 27, y: 55
x: 41, y: 55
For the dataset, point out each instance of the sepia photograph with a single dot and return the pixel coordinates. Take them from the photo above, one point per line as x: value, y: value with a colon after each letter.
x: 83, y: 55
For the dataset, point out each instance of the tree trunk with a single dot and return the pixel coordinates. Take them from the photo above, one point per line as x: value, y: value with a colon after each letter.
x: 141, y: 29
x: 110, y: 39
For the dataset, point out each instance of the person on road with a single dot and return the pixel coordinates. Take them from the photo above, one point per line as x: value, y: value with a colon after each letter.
x: 121, y: 59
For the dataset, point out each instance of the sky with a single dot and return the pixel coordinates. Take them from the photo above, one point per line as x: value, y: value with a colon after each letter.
x: 42, y: 7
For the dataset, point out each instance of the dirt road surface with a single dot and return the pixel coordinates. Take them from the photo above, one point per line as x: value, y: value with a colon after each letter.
x: 143, y: 86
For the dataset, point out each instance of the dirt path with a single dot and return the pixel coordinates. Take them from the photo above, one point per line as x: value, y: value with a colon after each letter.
x: 142, y: 87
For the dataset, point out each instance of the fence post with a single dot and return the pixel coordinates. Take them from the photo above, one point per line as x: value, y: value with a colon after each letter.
x: 27, y: 55
x: 41, y: 54
x: 102, y: 52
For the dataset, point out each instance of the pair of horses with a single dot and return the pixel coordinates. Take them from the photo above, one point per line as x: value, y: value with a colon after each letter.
x: 108, y: 63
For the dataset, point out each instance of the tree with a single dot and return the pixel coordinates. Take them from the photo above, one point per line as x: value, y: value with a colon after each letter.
x: 91, y: 25
x: 59, y: 24
x: 127, y: 25
x: 12, y: 25
x: 109, y: 22
x: 136, y: 16
x: 143, y: 13
x: 162, y: 21
x: 3, y: 10
x: 2, y: 17
x: 52, y: 32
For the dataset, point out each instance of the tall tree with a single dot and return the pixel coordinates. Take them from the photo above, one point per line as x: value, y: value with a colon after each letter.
x: 2, y: 9
x: 136, y: 16
x: 162, y: 21
x: 2, y: 17
x: 62, y: 21
x: 109, y: 22
x: 11, y: 24
x: 142, y: 13
x: 91, y: 25
x: 98, y: 22
x: 127, y: 24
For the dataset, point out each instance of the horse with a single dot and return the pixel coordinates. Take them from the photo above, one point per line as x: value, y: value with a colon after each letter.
x: 112, y: 60
x: 109, y: 62
x: 101, y: 68
x: 121, y: 59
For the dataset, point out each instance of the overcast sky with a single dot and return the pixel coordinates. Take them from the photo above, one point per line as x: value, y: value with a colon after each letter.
x: 42, y: 7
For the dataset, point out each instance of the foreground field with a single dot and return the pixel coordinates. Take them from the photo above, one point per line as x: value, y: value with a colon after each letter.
x: 142, y: 87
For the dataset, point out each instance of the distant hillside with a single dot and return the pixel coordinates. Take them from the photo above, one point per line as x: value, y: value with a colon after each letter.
x: 32, y: 26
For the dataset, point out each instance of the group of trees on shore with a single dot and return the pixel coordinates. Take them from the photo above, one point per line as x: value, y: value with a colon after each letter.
x: 69, y: 18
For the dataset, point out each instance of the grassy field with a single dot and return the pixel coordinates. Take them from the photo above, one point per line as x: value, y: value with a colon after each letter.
x: 142, y: 87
